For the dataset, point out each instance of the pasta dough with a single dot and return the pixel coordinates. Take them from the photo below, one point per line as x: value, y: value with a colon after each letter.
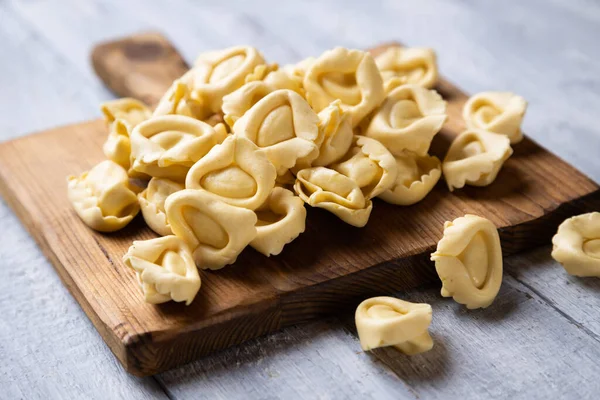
x: 468, y: 261
x: 216, y: 232
x: 280, y: 220
x: 370, y: 165
x: 178, y: 100
x: 498, y: 112
x: 165, y: 269
x: 284, y: 126
x: 103, y: 198
x: 167, y: 146
x: 335, y: 134
x: 388, y: 321
x: 475, y: 157
x: 408, y: 119
x: 577, y: 245
x: 348, y: 75
x: 417, y: 175
x: 328, y: 189
x: 406, y: 65
x: 152, y: 203
x: 130, y: 110
x: 236, y: 172
x: 117, y: 147
x: 237, y: 103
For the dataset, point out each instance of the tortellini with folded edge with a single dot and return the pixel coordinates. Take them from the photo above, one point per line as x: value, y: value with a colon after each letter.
x: 468, y: 261
x: 103, y: 198
x: 280, y: 220
x: 407, y: 65
x: 417, y: 175
x: 349, y: 75
x: 167, y: 146
x: 498, y: 112
x: 237, y: 103
x: 475, y: 157
x: 335, y: 134
x: 130, y: 110
x: 165, y: 269
x: 236, y: 172
x: 152, y: 203
x: 117, y: 147
x: 408, y: 119
x: 178, y: 100
x: 284, y: 126
x: 388, y: 321
x: 328, y: 189
x: 370, y: 165
x: 216, y: 232
x: 577, y: 245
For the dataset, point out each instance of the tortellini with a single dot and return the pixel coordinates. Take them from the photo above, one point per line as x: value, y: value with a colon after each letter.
x: 468, y: 261
x: 349, y: 75
x: 103, y: 198
x: 236, y: 172
x: 167, y: 146
x: 284, y: 126
x: 178, y: 100
x: 408, y: 119
x: 475, y: 157
x: 216, y: 232
x: 498, y: 112
x: 117, y: 147
x: 417, y: 175
x: 335, y: 135
x: 280, y: 220
x: 218, y: 73
x: 406, y: 65
x: 577, y: 245
x: 328, y: 189
x: 388, y: 321
x: 237, y: 103
x: 165, y: 269
x: 370, y: 165
x: 130, y: 110
x: 152, y: 203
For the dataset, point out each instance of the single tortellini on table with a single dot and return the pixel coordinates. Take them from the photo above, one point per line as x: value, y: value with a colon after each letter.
x: 218, y: 73
x: 577, y: 245
x: 388, y: 321
x: 179, y: 100
x: 130, y: 110
x: 167, y: 146
x: 152, y: 203
x: 335, y: 135
x: 468, y: 261
x: 284, y: 126
x: 117, y: 147
x: 417, y: 175
x: 407, y: 65
x: 328, y: 189
x: 281, y: 219
x: 102, y: 197
x: 408, y: 119
x: 216, y: 232
x: 165, y: 269
x: 498, y: 112
x: 370, y: 165
x: 474, y: 158
x: 349, y: 75
x: 236, y: 172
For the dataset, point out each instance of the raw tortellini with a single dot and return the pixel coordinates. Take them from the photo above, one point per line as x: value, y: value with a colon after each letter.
x: 348, y: 75
x: 117, y: 147
x: 498, y: 112
x: 408, y: 119
x: 468, y: 261
x: 335, y: 134
x: 405, y: 65
x: 103, y: 198
x: 165, y: 269
x: 388, y: 321
x: 475, y: 157
x: 179, y: 100
x: 152, y: 203
x: 130, y: 110
x: 577, y: 245
x: 236, y: 104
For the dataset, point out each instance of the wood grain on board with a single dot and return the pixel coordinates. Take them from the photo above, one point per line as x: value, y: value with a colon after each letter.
x: 331, y: 265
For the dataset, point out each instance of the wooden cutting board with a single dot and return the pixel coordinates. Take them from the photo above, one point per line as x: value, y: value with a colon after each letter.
x: 330, y: 267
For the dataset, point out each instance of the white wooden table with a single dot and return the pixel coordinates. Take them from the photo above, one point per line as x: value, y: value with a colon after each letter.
x: 540, y: 339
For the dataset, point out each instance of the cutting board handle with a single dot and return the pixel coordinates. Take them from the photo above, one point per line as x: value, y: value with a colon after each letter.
x: 142, y: 66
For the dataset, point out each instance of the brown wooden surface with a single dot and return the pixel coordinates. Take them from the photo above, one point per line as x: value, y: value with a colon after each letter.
x: 331, y: 265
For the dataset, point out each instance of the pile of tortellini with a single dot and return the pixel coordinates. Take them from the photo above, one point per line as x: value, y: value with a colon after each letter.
x: 236, y: 146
